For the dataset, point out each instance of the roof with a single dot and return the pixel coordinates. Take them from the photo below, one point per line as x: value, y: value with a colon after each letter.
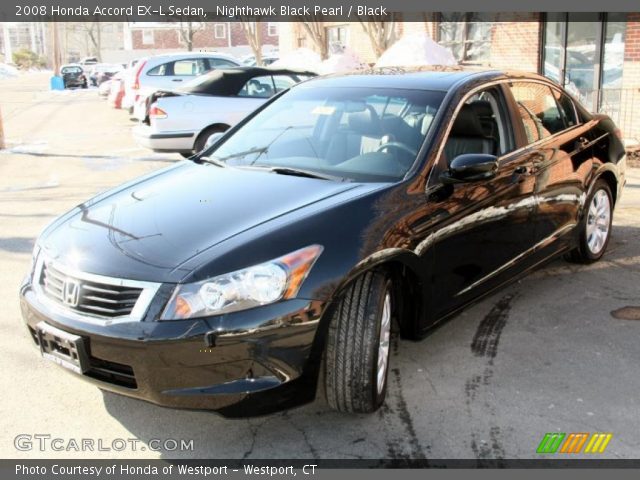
x: 422, y: 78
x: 229, y: 81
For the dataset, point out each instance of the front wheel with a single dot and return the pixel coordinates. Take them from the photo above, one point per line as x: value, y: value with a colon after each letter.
x: 595, y: 227
x: 358, y: 344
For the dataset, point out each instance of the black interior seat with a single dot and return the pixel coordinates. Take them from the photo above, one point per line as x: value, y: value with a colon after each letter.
x: 467, y: 135
x: 363, y: 135
x: 484, y: 110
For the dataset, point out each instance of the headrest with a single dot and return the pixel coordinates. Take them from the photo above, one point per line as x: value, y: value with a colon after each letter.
x: 482, y: 108
x: 365, y: 122
x: 467, y: 123
x: 426, y: 123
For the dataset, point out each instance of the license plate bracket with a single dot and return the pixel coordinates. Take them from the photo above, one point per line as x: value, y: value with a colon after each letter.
x: 65, y: 349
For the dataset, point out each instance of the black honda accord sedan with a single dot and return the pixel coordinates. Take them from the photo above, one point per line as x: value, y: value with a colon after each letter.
x: 283, y: 256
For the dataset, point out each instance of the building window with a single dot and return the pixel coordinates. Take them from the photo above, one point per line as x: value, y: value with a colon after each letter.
x: 220, y: 30
x: 147, y: 37
x: 467, y: 35
x: 337, y: 38
x: 585, y: 53
x: 272, y: 29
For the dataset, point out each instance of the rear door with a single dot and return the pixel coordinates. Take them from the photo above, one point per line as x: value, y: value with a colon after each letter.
x: 560, y: 149
x: 173, y: 73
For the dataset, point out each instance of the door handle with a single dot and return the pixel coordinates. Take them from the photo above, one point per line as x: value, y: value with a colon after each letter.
x: 522, y: 170
x: 583, y: 141
x: 176, y: 80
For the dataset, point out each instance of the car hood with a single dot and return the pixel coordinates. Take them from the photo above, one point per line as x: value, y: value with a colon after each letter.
x: 148, y: 229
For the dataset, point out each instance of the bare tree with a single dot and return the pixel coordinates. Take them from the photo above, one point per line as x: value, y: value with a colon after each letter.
x: 381, y: 33
x: 315, y: 29
x: 187, y: 31
x: 93, y: 31
x: 254, y: 38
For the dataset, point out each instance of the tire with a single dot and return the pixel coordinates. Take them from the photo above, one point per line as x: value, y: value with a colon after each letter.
x: 201, y: 141
x: 354, y: 380
x: 595, y: 226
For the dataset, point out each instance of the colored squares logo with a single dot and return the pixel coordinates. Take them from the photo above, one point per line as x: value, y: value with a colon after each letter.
x: 574, y: 443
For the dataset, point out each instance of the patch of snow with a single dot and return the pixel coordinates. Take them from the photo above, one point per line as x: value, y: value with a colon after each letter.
x: 300, y: 59
x: 7, y: 71
x: 345, y: 61
x: 416, y: 50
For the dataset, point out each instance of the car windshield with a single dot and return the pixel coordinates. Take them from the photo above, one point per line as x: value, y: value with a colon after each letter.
x: 359, y: 134
x: 71, y: 70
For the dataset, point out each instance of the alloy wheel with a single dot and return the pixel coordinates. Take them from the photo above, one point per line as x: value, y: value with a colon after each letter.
x: 384, y: 342
x: 598, y: 222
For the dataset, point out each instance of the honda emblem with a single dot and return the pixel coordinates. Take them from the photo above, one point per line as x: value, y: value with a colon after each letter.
x: 71, y: 292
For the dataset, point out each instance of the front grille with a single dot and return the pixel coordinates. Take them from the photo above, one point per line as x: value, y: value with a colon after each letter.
x: 92, y: 297
x: 112, y: 372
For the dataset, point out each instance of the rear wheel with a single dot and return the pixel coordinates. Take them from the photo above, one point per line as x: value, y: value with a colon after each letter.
x: 358, y: 344
x: 201, y: 141
x: 595, y: 227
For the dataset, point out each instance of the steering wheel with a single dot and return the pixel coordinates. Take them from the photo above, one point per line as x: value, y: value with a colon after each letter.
x: 399, y: 146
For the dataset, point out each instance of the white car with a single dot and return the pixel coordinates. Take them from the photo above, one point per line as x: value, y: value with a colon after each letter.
x: 183, y: 120
x: 169, y: 71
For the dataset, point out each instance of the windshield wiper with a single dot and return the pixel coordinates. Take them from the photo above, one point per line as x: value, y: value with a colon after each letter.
x: 210, y: 160
x: 302, y: 173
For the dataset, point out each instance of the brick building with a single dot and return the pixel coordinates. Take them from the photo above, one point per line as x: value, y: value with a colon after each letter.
x: 227, y: 37
x: 596, y: 56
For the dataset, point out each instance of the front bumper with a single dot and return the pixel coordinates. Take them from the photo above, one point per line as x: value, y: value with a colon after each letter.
x: 164, y: 141
x: 241, y: 364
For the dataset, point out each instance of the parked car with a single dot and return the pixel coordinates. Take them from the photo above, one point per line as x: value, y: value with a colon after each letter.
x: 105, y: 88
x: 345, y: 208
x: 116, y: 89
x: 250, y: 60
x: 73, y: 76
x: 169, y: 71
x: 182, y: 120
x: 102, y: 72
x: 89, y: 61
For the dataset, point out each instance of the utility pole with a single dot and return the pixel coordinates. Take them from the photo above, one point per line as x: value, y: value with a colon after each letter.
x: 55, y: 46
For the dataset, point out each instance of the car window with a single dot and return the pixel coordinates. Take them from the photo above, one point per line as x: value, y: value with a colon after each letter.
x: 190, y: 67
x: 160, y: 70
x: 336, y: 131
x: 479, y: 127
x: 282, y: 82
x: 71, y: 70
x: 258, y: 87
x: 567, y: 108
x: 220, y: 63
x: 538, y: 110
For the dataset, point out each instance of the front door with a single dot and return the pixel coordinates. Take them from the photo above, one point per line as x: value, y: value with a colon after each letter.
x: 485, y: 226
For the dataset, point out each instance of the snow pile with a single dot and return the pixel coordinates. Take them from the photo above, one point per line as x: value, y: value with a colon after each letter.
x: 300, y: 59
x: 345, y: 61
x: 7, y: 71
x: 416, y: 50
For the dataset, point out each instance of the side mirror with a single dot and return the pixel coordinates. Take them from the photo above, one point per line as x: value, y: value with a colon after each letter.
x: 213, y: 138
x: 470, y: 167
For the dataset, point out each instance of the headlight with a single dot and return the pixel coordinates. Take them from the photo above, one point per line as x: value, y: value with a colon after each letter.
x: 247, y: 288
x: 34, y: 258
